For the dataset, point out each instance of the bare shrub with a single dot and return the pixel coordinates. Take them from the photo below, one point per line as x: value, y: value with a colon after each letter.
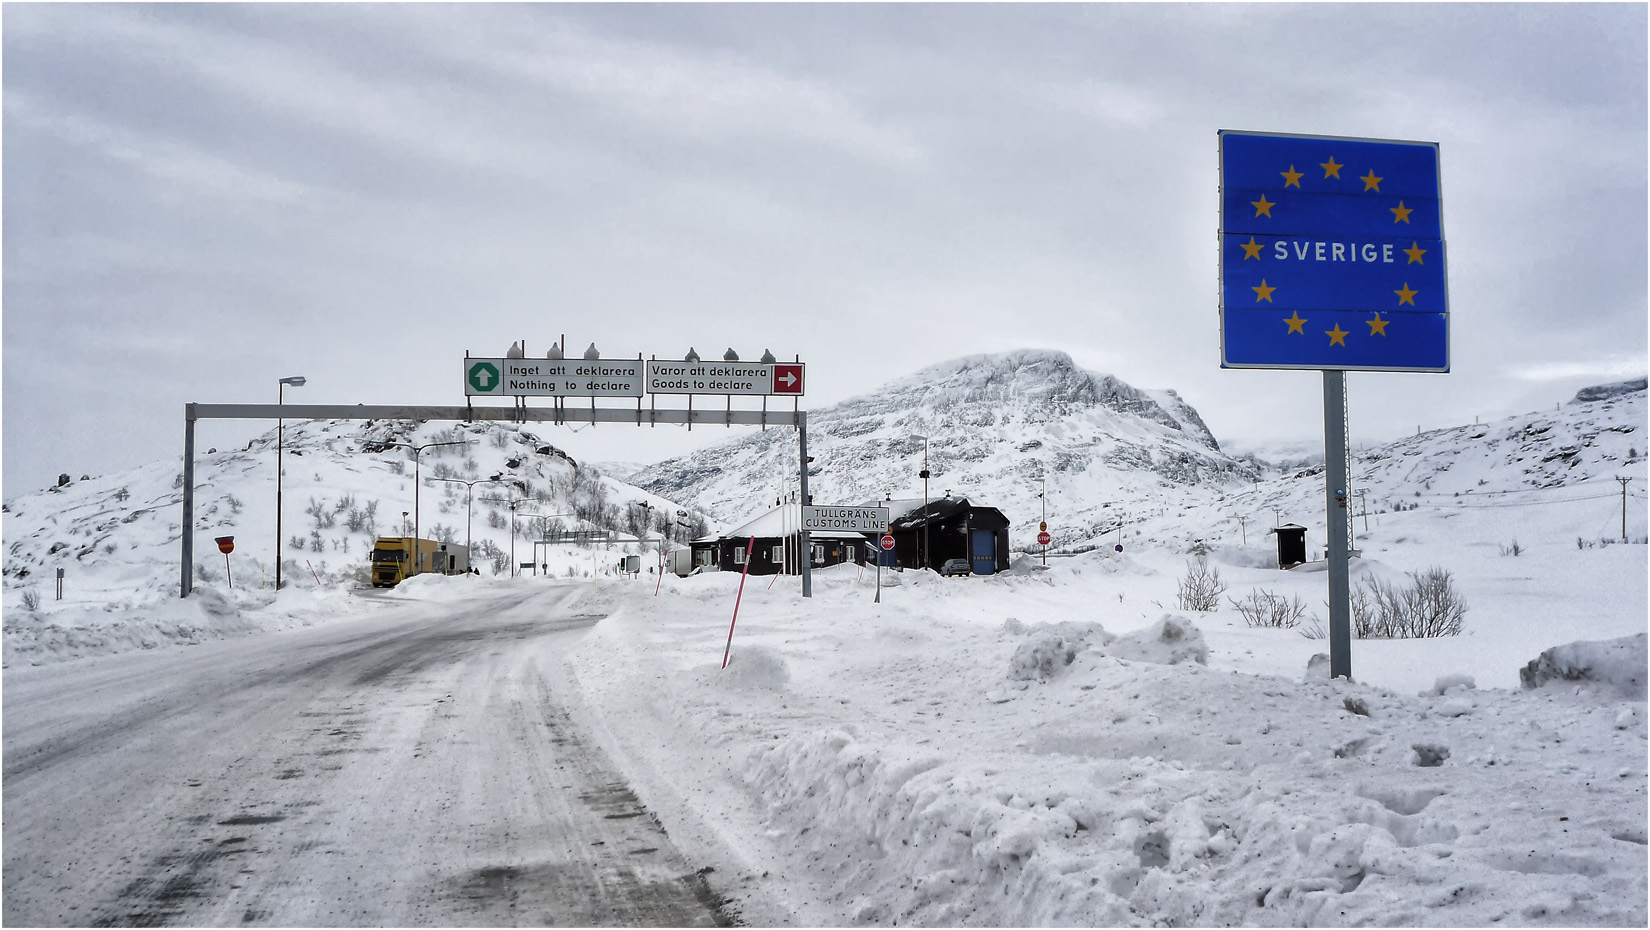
x: 1200, y: 590
x: 1265, y: 609
x: 489, y: 550
x: 1429, y: 607
x: 31, y: 599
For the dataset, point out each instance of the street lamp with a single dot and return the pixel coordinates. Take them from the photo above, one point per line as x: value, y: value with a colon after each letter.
x: 512, y: 502
x: 469, y: 491
x: 925, y: 516
x: 280, y: 436
x: 417, y: 452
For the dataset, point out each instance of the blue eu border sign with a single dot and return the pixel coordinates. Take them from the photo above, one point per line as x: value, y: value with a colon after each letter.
x: 1331, y: 254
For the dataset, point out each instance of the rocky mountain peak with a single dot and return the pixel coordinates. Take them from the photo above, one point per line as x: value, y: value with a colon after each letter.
x: 986, y: 426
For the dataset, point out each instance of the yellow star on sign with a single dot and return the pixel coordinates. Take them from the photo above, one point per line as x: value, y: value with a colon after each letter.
x: 1264, y: 293
x: 1371, y: 182
x: 1263, y: 207
x: 1330, y: 169
x: 1415, y: 252
x: 1291, y: 178
x: 1400, y: 213
x: 1251, y: 249
x: 1377, y: 326
x: 1337, y: 336
x: 1295, y: 323
x: 1406, y: 296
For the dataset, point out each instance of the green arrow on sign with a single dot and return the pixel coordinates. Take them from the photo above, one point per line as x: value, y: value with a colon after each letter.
x: 483, y: 377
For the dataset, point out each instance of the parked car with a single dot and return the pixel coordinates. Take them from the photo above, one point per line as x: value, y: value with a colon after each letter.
x: 956, y: 567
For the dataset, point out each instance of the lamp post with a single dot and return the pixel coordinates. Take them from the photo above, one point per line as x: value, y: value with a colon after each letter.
x: 513, y: 501
x: 469, y: 492
x: 417, y: 453
x: 280, y: 437
x: 925, y: 517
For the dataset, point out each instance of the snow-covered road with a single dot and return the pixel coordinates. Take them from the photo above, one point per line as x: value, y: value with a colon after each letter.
x: 412, y: 766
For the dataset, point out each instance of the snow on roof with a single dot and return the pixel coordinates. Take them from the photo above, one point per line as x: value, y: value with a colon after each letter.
x: 783, y: 521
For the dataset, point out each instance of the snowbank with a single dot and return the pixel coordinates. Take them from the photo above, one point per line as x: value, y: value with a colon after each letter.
x: 1618, y: 664
x: 925, y: 762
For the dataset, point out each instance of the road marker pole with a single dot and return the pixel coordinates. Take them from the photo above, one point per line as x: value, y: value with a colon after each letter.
x: 737, y: 598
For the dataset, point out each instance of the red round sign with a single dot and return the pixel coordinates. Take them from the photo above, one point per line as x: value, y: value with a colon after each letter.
x: 887, y: 542
x: 1043, y: 539
x: 226, y: 544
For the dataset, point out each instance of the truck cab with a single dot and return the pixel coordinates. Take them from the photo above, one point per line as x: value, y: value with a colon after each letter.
x: 392, y: 559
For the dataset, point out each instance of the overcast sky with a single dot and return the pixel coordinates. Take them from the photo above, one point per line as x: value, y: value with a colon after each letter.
x: 202, y: 199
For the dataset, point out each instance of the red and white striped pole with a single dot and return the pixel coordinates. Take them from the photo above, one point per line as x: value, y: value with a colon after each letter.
x: 742, y: 575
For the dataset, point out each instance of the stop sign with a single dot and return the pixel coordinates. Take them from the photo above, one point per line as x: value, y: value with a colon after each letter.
x: 226, y: 544
x: 1043, y: 539
x: 887, y: 542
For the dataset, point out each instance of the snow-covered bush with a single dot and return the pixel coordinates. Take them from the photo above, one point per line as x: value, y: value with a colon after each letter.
x: 487, y: 549
x: 1263, y: 608
x: 1429, y: 607
x: 1201, y: 588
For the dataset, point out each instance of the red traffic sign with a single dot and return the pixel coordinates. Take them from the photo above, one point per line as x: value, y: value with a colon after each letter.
x: 887, y: 542
x: 226, y: 544
x: 787, y: 379
x: 1044, y: 539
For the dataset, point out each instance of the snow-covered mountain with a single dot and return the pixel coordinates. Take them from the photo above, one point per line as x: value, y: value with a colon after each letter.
x: 993, y: 425
x: 345, y: 483
x: 1580, y: 448
x: 1121, y: 465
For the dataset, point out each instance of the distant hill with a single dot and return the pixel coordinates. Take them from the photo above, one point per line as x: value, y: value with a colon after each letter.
x: 994, y: 423
x: 346, y: 483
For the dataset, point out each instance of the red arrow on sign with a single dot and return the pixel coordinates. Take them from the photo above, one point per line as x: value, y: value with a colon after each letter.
x: 787, y: 379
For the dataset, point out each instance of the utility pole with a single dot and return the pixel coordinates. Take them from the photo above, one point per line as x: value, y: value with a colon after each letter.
x: 1363, y: 509
x: 1242, y: 526
x: 1042, y: 495
x: 1623, y: 506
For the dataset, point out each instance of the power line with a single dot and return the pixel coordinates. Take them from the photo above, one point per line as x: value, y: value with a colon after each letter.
x: 1566, y: 500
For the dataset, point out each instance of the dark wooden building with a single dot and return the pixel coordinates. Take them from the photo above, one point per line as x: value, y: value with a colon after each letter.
x: 776, y: 549
x: 948, y: 528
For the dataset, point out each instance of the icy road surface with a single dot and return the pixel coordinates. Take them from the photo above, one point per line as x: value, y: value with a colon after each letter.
x: 412, y: 767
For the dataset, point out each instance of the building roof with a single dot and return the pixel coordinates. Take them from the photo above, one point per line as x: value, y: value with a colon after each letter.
x: 937, y: 511
x: 783, y: 520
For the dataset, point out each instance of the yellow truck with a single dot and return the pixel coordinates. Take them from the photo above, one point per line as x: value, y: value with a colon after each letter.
x: 392, y: 559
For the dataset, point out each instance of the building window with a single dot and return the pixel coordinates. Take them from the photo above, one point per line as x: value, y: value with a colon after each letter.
x: 778, y: 555
x: 738, y: 555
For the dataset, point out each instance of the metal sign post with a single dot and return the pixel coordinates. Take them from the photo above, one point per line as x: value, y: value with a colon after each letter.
x: 1332, y: 258
x: 802, y: 531
x: 1337, y: 514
